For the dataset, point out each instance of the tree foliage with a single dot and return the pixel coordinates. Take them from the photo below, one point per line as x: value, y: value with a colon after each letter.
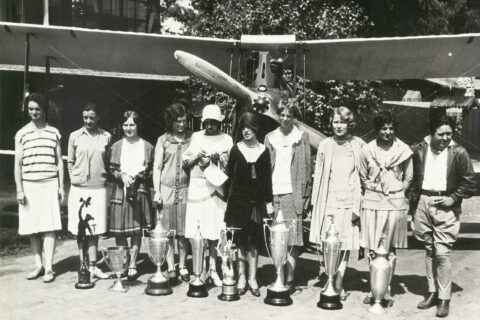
x: 308, y: 19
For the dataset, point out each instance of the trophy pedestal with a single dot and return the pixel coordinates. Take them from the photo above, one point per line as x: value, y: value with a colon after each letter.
x: 229, y: 293
x: 84, y: 280
x: 118, y: 287
x: 197, y: 289
x: 278, y: 298
x: 161, y: 288
x: 377, y: 308
x: 328, y: 302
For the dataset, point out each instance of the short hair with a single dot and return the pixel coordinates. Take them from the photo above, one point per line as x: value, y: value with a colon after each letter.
x: 289, y: 104
x: 438, y: 121
x: 383, y: 118
x: 346, y: 115
x: 91, y: 106
x: 172, y: 113
x: 39, y: 99
x: 135, y: 117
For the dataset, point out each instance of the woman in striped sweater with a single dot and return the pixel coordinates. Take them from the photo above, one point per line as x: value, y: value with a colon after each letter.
x: 39, y: 181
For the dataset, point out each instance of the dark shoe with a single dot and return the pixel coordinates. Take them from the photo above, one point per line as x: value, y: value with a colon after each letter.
x: 443, y: 308
x: 430, y: 301
x: 184, y: 275
x: 132, y: 274
x: 368, y: 300
x: 35, y: 274
x: 172, y: 277
x: 242, y: 291
x: 255, y: 292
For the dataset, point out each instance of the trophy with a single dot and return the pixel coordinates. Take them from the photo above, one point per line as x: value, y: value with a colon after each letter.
x: 197, y: 288
x: 117, y: 259
x: 226, y: 252
x: 380, y: 273
x: 330, y: 297
x: 84, y: 225
x: 278, y: 294
x: 157, y: 248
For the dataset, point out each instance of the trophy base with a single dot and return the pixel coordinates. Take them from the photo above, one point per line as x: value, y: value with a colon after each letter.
x: 377, y: 309
x: 278, y: 298
x: 330, y: 302
x: 158, y: 288
x: 88, y: 285
x: 118, y: 287
x: 197, y: 291
x: 229, y: 293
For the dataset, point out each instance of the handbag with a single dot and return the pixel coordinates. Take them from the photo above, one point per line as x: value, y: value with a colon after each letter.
x: 214, y: 175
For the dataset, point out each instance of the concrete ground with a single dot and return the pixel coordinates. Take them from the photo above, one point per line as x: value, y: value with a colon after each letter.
x: 22, y: 299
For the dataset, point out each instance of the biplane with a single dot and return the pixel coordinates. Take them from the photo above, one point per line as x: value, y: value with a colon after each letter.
x: 260, y: 58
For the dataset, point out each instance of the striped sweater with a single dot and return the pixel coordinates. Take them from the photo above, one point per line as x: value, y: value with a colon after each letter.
x: 39, y: 161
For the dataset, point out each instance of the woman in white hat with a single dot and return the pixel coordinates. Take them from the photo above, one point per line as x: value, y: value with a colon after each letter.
x: 206, y: 198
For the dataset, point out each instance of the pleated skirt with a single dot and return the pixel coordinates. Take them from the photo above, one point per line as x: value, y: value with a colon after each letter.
x: 97, y: 209
x: 348, y: 232
x: 41, y: 213
x: 128, y: 218
x: 384, y: 227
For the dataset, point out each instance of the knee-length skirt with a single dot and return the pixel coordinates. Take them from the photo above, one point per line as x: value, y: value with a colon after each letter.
x: 284, y: 202
x: 384, y: 227
x: 97, y: 208
x: 348, y: 232
x: 205, y: 210
x: 41, y: 213
x: 130, y: 217
x: 173, y: 210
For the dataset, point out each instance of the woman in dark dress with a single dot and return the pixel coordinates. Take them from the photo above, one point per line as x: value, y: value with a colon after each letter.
x: 250, y: 199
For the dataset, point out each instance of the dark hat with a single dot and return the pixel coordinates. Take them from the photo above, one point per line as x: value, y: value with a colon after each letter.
x: 249, y: 120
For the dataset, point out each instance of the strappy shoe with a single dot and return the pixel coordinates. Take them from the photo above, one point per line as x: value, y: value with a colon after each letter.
x: 36, y: 273
x: 132, y: 274
x: 255, y: 291
x: 49, y: 276
x: 172, y: 277
x: 215, y: 279
x: 184, y: 275
x: 344, y: 295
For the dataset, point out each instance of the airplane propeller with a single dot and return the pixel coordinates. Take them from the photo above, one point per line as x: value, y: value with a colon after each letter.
x: 222, y: 81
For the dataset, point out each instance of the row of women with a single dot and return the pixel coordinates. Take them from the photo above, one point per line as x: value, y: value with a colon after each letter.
x: 265, y: 180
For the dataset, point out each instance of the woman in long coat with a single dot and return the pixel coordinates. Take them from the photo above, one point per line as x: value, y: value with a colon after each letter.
x: 291, y: 173
x: 336, y: 190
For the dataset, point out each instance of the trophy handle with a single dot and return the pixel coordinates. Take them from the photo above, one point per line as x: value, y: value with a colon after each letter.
x: 292, y: 226
x: 106, y: 259
x: 265, y: 226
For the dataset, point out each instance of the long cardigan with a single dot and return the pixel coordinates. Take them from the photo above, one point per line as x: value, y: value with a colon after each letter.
x: 321, y: 179
x: 300, y: 169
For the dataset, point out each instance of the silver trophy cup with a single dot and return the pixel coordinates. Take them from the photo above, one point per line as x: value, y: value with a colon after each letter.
x: 117, y: 259
x: 278, y: 293
x: 380, y: 273
x: 157, y: 248
x: 197, y: 288
x: 227, y: 253
x: 330, y: 297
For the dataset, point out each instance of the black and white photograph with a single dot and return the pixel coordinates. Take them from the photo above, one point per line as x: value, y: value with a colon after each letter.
x: 245, y: 159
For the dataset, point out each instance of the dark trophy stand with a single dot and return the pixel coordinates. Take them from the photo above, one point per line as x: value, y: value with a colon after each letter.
x: 83, y: 274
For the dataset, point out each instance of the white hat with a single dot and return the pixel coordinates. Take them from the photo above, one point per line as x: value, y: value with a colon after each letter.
x: 212, y: 111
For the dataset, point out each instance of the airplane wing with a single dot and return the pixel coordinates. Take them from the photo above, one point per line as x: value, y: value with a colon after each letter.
x: 105, y: 53
x: 150, y: 56
x: 421, y: 57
